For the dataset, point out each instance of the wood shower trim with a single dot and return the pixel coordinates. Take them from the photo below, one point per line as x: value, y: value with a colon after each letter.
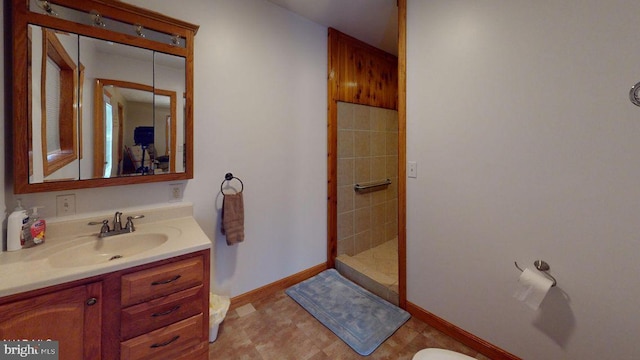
x: 402, y: 153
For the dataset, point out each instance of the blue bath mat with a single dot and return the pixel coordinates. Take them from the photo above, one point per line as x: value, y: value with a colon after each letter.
x: 360, y: 318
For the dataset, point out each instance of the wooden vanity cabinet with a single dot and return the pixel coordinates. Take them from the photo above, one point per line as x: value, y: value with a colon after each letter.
x: 70, y: 316
x: 162, y: 307
x: 153, y: 311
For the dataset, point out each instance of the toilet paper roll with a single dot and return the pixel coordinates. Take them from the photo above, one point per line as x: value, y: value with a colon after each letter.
x: 533, y: 287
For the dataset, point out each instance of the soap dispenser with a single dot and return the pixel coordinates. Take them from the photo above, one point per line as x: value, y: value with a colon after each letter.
x: 14, y: 227
x: 33, y: 230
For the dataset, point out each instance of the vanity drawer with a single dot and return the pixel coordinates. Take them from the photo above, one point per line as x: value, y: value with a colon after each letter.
x: 162, y: 280
x: 153, y: 314
x: 165, y: 343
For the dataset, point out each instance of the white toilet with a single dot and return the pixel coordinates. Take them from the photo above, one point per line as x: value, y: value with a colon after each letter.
x: 440, y: 354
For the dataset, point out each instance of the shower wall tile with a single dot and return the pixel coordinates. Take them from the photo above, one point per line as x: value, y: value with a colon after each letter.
x: 345, y: 116
x: 378, y: 143
x: 345, y: 143
x: 346, y: 198
x: 392, y: 166
x: 391, y: 210
x: 363, y: 170
x: 345, y: 225
x: 391, y: 230
x: 362, y: 242
x: 392, y: 190
x: 346, y: 246
x: 362, y: 200
x: 378, y: 120
x: 361, y: 117
x: 346, y: 169
x: 392, y: 143
x: 369, y: 137
x: 362, y: 143
x: 392, y: 120
x: 378, y: 168
x: 378, y: 214
x: 378, y: 197
x: 363, y: 220
x: 379, y: 234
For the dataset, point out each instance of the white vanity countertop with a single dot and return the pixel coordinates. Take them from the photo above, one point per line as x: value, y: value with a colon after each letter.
x: 34, y: 268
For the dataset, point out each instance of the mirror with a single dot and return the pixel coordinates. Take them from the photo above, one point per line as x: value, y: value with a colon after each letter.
x: 53, y: 84
x: 133, y: 122
x: 102, y: 108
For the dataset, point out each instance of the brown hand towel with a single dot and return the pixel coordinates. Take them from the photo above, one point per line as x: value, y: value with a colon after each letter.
x: 233, y: 218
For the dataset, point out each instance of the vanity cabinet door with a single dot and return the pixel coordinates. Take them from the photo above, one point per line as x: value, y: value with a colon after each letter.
x: 73, y: 317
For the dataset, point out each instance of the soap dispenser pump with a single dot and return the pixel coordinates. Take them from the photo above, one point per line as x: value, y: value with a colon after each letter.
x: 14, y: 227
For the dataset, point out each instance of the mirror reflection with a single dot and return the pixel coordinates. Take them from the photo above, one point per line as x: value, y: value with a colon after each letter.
x: 131, y: 130
x: 53, y: 87
x: 100, y: 109
x: 170, y: 73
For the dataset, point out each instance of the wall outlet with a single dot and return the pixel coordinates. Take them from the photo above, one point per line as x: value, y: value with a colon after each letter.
x: 66, y: 205
x: 412, y: 169
x: 175, y: 192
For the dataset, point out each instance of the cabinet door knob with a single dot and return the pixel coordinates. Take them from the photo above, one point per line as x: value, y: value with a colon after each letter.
x: 92, y: 301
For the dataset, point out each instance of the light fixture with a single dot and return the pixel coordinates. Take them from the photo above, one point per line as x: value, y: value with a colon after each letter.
x: 96, y: 19
x: 46, y: 6
x: 139, y: 29
x: 175, y: 40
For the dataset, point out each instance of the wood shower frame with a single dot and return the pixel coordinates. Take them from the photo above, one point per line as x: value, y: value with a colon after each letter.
x: 362, y: 74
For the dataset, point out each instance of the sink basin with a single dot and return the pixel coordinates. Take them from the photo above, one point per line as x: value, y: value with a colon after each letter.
x: 91, y: 250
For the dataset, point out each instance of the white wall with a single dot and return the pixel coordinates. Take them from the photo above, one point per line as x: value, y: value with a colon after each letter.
x: 527, y: 148
x: 260, y: 112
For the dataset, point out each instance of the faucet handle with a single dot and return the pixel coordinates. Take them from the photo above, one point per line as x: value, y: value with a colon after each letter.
x: 105, y: 225
x: 129, y: 225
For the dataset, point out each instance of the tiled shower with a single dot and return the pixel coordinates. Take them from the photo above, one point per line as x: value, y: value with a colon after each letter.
x: 368, y: 221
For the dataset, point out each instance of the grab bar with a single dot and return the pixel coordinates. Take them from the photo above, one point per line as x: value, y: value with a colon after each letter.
x: 370, y: 186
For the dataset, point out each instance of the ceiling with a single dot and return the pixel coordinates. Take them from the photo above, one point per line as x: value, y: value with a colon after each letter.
x: 372, y: 21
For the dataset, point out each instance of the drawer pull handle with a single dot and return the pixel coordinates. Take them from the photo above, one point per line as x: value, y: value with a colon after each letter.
x: 167, y: 281
x: 92, y: 301
x: 166, y: 312
x: 165, y: 343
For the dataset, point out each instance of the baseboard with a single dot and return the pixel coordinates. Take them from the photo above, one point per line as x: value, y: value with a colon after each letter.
x: 459, y: 334
x: 270, y: 289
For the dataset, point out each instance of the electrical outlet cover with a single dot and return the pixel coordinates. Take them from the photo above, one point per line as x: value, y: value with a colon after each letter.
x: 175, y: 192
x: 65, y: 205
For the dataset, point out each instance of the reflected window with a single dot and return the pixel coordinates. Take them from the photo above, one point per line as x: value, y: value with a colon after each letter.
x: 59, y: 94
x: 108, y: 136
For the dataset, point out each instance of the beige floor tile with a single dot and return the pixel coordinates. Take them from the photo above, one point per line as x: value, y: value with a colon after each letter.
x: 279, y: 328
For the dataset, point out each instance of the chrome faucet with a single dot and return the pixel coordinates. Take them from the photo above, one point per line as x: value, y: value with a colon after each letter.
x: 117, y: 225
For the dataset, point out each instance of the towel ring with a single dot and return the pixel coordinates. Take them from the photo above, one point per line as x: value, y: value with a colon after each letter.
x: 229, y: 177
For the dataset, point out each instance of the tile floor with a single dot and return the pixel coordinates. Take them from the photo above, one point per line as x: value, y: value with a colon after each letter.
x: 382, y: 258
x: 375, y: 269
x: 277, y: 328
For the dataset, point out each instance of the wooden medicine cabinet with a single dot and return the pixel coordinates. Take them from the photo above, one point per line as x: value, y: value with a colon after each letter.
x: 102, y: 95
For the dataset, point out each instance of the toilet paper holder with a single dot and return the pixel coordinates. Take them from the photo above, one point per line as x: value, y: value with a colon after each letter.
x: 542, y: 266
